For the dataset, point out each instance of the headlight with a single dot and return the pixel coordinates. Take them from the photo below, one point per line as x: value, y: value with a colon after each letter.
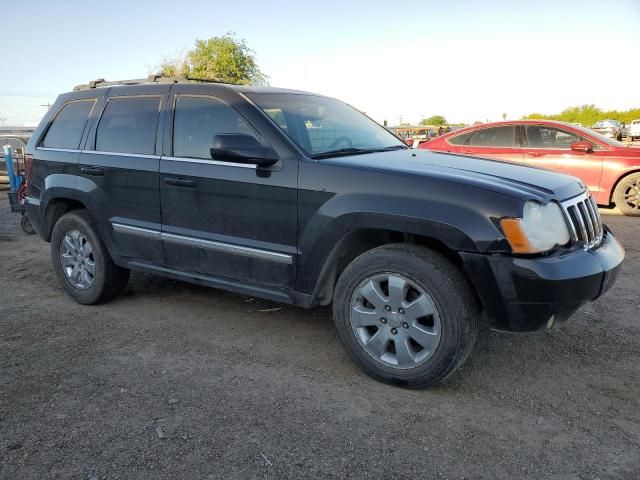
x: 541, y: 228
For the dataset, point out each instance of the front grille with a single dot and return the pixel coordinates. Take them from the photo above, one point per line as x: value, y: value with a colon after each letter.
x: 583, y: 219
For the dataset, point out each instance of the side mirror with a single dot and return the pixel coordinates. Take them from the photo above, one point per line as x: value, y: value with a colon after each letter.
x: 241, y: 148
x: 583, y: 146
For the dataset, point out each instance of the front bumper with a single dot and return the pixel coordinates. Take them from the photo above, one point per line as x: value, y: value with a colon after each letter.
x: 525, y: 294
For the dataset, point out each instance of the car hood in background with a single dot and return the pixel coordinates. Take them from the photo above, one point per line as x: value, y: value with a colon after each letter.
x: 507, y: 178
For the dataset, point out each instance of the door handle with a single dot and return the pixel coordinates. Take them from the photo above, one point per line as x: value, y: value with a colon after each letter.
x: 535, y: 154
x: 179, y: 182
x: 92, y: 170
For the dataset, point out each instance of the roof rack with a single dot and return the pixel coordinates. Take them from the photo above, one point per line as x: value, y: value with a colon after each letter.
x: 101, y: 82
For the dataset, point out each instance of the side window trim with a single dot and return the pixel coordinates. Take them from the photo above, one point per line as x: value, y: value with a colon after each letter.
x: 91, y: 146
x: 40, y: 146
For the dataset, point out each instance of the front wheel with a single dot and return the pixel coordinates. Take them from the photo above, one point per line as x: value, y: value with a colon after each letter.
x: 405, y: 315
x: 627, y: 195
x: 81, y: 261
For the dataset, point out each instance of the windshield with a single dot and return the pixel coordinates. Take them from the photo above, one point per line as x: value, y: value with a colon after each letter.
x: 605, y: 124
x: 324, y: 127
x: 599, y: 137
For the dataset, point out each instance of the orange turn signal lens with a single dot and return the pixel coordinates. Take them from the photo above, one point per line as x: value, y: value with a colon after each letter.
x: 515, y: 236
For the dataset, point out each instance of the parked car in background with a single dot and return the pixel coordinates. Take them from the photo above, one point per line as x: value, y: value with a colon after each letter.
x: 302, y: 199
x: 609, y: 168
x: 633, y: 131
x: 609, y: 128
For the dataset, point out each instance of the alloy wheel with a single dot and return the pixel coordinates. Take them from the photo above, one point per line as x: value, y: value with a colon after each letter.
x: 77, y: 259
x: 395, y: 320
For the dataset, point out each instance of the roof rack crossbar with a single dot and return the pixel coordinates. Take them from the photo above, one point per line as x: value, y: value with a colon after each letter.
x: 101, y: 82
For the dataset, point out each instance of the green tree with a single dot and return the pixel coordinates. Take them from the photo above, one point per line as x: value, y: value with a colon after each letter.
x: 436, y: 120
x: 223, y: 58
x: 588, y: 115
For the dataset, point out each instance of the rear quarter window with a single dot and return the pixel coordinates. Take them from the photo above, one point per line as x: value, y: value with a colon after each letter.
x: 460, y: 139
x: 68, y: 125
x: 129, y: 125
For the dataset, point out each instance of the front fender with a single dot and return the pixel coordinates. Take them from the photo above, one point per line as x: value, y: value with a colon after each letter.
x: 459, y: 225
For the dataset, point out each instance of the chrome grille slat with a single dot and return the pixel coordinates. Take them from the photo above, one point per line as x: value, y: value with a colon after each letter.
x: 583, y: 220
x: 587, y: 220
x: 593, y: 213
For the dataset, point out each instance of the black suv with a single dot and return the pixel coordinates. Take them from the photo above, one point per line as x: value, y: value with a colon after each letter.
x: 302, y: 199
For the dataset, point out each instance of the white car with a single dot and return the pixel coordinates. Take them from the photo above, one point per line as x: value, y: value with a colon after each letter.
x: 633, y: 130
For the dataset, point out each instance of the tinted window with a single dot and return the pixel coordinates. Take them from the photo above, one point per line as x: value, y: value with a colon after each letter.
x: 460, y: 139
x: 539, y: 136
x: 198, y: 119
x: 129, y: 125
x: 494, y: 137
x: 66, y: 129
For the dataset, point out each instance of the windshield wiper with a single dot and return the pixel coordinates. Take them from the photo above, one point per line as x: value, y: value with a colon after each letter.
x: 340, y: 152
x: 392, y: 147
x: 354, y: 151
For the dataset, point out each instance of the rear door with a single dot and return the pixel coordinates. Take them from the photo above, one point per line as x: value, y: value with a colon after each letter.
x: 224, y: 219
x: 122, y: 159
x: 499, y: 142
x: 550, y: 147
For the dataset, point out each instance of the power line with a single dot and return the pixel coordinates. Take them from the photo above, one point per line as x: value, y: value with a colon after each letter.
x: 26, y: 94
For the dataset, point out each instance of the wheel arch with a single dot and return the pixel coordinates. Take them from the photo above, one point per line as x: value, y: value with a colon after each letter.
x: 357, y: 241
x: 618, y: 180
x: 56, y: 208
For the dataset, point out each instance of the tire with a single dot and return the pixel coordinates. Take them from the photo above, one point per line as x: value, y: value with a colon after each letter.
x: 626, y: 196
x: 85, y: 246
x: 454, y: 320
x: 26, y: 226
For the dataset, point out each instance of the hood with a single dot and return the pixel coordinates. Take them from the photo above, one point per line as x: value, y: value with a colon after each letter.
x: 507, y: 178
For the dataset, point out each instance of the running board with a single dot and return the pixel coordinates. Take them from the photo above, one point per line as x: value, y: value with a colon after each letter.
x: 270, y: 293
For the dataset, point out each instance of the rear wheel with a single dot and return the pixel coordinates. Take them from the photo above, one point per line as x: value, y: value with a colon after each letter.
x: 82, y: 262
x: 627, y: 195
x: 405, y: 315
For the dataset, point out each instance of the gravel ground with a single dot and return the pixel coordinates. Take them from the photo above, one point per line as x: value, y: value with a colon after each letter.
x: 177, y: 381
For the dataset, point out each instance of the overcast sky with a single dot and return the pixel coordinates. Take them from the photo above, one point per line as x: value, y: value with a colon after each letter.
x: 466, y: 60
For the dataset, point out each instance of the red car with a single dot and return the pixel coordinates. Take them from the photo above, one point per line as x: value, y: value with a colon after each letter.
x: 609, y: 168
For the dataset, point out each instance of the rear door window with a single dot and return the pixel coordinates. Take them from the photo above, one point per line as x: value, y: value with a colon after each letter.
x: 503, y: 137
x: 129, y: 125
x: 66, y: 129
x: 198, y: 119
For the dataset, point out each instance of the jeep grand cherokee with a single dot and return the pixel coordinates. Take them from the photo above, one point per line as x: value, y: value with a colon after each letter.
x: 301, y: 199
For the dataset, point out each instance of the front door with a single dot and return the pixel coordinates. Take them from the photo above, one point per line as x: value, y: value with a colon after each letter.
x: 226, y: 220
x: 550, y: 147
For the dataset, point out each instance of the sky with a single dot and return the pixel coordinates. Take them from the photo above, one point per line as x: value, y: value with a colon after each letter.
x: 467, y: 60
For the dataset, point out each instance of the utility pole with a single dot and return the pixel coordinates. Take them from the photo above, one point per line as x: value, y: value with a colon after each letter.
x: 48, y: 105
x: 3, y: 119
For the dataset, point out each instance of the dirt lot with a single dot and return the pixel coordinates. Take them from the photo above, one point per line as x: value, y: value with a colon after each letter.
x: 176, y: 381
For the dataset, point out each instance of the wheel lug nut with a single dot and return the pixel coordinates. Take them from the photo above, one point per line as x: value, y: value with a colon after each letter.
x: 387, y: 308
x: 401, y: 311
x: 383, y: 320
x: 405, y: 325
x: 394, y: 331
